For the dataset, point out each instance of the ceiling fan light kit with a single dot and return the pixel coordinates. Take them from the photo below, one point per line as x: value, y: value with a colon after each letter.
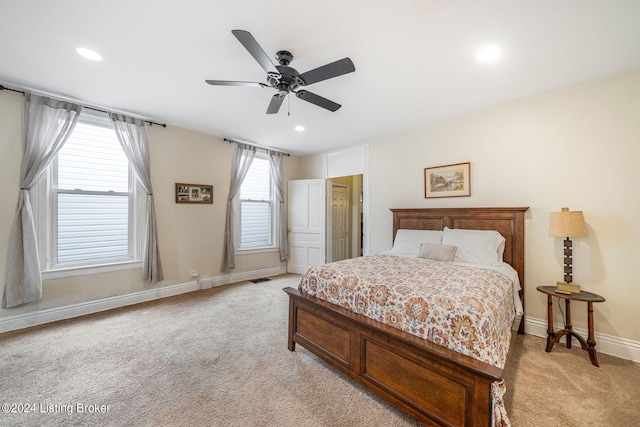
x: 285, y: 79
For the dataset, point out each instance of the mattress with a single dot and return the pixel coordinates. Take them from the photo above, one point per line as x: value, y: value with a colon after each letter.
x: 468, y: 309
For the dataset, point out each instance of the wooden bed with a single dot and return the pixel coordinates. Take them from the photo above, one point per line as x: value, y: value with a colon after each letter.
x: 431, y: 383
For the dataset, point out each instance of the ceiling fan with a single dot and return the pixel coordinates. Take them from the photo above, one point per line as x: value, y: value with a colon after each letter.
x: 286, y: 79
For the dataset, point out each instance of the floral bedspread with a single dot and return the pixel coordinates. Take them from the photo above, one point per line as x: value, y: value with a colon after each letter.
x: 466, y: 309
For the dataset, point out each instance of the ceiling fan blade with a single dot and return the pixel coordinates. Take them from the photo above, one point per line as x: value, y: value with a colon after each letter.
x: 231, y: 83
x: 274, y: 105
x: 335, y: 69
x: 317, y: 100
x: 255, y: 50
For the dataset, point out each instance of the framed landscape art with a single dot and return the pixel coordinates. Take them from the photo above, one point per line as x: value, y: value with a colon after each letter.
x: 447, y: 181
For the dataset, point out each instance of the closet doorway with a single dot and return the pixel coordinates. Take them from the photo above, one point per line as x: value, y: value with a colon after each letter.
x: 344, y: 219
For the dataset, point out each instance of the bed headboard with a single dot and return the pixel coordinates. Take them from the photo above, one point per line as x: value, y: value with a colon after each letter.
x: 507, y: 221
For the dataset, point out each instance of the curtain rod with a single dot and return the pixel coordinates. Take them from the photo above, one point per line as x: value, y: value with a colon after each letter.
x: 256, y: 145
x: 164, y: 125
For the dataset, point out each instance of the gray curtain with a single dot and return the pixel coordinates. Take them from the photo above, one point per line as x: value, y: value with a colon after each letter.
x: 48, y: 124
x: 241, y: 157
x: 275, y: 163
x: 132, y: 135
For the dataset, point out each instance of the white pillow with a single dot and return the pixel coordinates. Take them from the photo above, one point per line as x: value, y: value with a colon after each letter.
x: 437, y: 252
x: 406, y: 248
x: 409, y: 242
x: 475, y: 246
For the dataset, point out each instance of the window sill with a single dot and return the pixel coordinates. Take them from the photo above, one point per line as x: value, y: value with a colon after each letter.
x: 60, y: 273
x: 260, y: 250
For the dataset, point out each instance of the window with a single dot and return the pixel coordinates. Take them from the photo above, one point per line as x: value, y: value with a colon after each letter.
x: 256, y: 214
x: 88, y: 210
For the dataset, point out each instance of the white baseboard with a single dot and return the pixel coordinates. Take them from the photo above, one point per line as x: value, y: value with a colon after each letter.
x: 39, y: 317
x: 247, y: 275
x: 608, y: 344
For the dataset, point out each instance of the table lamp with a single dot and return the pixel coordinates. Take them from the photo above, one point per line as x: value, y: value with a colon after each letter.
x: 567, y: 224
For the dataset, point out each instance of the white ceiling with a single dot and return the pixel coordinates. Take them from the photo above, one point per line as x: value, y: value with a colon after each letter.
x: 415, y: 59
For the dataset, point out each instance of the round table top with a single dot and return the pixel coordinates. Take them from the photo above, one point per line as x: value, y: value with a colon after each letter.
x: 579, y: 296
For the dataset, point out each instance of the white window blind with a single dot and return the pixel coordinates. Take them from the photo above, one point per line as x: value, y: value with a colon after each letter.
x: 92, y: 198
x: 256, y: 206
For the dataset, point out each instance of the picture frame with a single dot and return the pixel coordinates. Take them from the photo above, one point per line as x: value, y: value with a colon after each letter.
x: 447, y: 181
x: 194, y: 193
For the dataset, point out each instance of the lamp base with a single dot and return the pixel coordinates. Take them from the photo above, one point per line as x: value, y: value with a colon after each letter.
x: 567, y: 288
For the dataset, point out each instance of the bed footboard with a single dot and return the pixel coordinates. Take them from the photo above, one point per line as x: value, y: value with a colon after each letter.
x: 431, y: 383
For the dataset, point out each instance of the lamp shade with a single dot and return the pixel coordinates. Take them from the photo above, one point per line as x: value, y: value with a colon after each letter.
x: 567, y: 224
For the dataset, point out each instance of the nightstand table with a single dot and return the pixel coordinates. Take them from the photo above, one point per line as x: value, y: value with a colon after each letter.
x: 553, y: 337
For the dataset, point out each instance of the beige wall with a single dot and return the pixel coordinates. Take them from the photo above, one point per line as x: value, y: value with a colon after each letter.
x: 577, y: 147
x: 190, y: 236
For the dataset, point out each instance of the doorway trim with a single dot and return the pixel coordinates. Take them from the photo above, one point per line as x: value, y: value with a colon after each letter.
x: 348, y: 249
x: 347, y: 162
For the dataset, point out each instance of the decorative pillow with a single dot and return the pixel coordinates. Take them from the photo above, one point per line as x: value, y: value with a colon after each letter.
x: 475, y: 246
x: 437, y: 252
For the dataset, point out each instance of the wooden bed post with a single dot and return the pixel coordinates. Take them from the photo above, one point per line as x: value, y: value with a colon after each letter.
x: 292, y: 325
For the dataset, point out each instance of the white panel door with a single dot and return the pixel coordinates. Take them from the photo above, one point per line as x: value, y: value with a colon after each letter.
x: 306, y: 214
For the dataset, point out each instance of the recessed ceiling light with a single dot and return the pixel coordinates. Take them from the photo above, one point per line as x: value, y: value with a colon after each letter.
x: 488, y: 54
x: 299, y: 128
x: 89, y: 54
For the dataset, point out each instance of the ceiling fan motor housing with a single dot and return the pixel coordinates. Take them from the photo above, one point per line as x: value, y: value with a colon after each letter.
x: 287, y: 81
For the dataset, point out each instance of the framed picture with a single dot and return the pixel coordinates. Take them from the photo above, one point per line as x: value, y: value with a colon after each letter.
x: 447, y: 181
x: 194, y: 193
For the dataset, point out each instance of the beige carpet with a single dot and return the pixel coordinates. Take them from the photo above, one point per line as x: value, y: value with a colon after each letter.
x: 219, y: 358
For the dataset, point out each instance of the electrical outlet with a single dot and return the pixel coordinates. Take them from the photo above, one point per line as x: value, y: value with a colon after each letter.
x: 194, y: 274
